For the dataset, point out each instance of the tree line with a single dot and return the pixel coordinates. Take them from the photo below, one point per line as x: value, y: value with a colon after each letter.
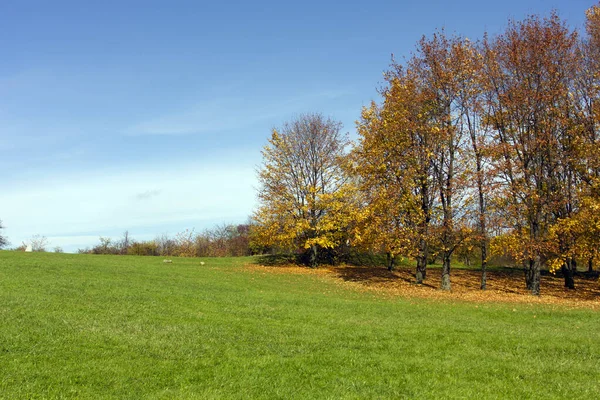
x: 220, y: 241
x: 226, y: 240
x: 488, y: 146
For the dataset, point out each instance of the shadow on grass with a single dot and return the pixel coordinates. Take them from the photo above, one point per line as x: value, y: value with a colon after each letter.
x: 507, y: 280
x: 377, y: 275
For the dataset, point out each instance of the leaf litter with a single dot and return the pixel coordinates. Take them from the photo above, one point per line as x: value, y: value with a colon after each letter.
x: 503, y: 286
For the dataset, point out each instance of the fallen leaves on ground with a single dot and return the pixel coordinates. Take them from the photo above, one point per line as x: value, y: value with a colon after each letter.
x: 506, y: 286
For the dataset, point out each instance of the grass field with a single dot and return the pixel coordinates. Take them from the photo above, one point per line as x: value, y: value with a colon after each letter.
x: 85, y: 326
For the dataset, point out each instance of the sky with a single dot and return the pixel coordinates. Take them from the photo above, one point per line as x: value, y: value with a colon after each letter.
x: 150, y: 116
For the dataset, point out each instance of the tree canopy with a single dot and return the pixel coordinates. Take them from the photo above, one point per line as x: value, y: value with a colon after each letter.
x: 301, y: 194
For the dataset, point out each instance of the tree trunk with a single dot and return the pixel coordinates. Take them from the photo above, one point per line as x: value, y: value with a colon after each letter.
x: 568, y: 268
x: 483, y: 266
x: 528, y: 268
x: 421, y: 273
x: 313, y: 256
x: 391, y: 262
x: 535, y: 275
x: 590, y: 265
x: 422, y: 263
x: 536, y: 262
x: 446, y: 272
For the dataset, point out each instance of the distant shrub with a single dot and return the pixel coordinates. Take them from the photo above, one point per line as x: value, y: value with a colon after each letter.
x: 149, y: 248
x: 221, y: 241
x: 38, y: 243
x: 186, y: 243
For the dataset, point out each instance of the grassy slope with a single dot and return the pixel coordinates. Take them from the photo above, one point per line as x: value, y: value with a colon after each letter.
x: 132, y: 327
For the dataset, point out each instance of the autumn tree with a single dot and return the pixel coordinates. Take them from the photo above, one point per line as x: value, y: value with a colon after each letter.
x: 527, y: 81
x: 589, y: 169
x: 393, y: 165
x: 589, y: 94
x: 581, y: 226
x: 302, y: 196
x: 445, y: 66
x: 186, y: 244
x: 479, y: 180
x: 411, y: 157
x: 166, y: 246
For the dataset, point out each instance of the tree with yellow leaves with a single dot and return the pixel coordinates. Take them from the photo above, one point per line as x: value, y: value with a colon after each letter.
x: 528, y: 75
x: 576, y: 234
x: 445, y: 66
x: 304, y: 204
x: 393, y: 163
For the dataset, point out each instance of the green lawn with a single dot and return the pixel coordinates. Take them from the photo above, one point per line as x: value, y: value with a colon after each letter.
x: 85, y: 326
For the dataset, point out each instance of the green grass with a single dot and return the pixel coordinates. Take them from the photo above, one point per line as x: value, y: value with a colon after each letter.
x: 85, y: 326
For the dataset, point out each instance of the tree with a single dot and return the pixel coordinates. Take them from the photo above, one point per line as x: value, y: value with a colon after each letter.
x: 410, y: 159
x: 445, y: 66
x: 38, y: 243
x: 301, y: 187
x: 3, y: 239
x: 186, y: 245
x: 124, y: 243
x: 394, y: 168
x: 528, y: 71
x: 581, y: 226
x: 105, y: 246
x: 471, y: 102
x: 165, y: 245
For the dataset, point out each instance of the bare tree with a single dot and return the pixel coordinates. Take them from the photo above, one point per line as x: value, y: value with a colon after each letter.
x: 3, y: 239
x: 166, y: 245
x: 124, y: 243
x: 38, y: 243
x: 105, y: 245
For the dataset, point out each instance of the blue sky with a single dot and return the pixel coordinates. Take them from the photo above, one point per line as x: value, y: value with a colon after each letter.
x: 150, y: 116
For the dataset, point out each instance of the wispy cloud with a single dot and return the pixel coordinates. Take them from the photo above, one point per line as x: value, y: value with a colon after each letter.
x: 147, y: 194
x: 229, y: 113
x: 206, y: 117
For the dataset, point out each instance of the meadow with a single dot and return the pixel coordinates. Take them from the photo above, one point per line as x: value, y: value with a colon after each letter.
x: 102, y: 327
